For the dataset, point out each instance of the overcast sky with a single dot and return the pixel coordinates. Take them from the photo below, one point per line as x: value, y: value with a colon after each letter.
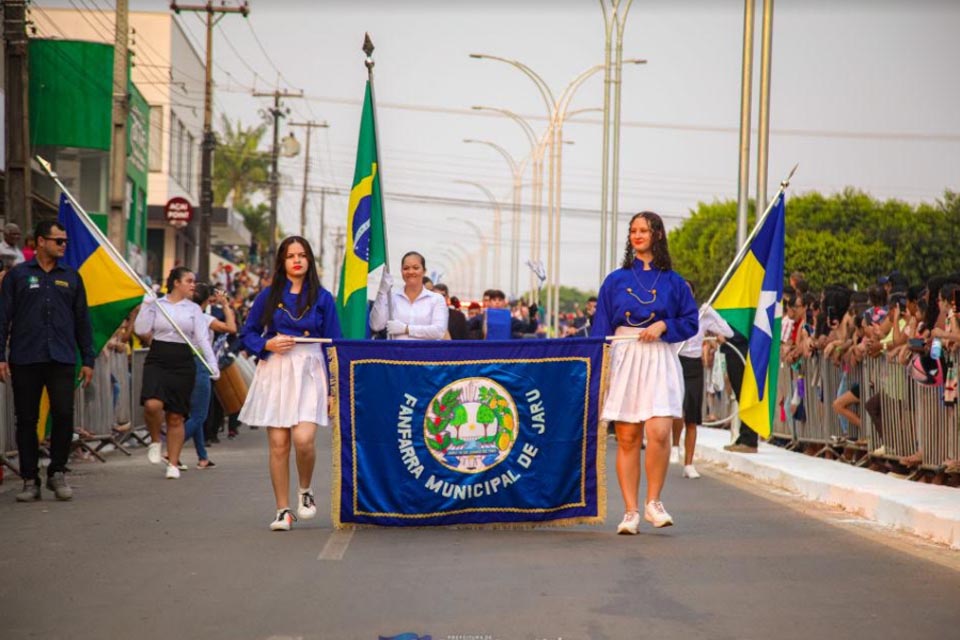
x: 864, y: 94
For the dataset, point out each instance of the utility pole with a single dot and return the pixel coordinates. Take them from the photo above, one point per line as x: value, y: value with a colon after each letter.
x: 17, y: 199
x: 339, y: 239
x: 209, y: 142
x: 116, y: 227
x: 310, y: 126
x: 276, y: 112
x: 323, y: 227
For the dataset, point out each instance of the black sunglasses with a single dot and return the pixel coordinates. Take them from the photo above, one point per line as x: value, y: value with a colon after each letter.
x: 60, y: 241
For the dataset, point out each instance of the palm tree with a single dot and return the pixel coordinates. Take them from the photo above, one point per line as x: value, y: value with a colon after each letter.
x: 256, y: 218
x: 239, y: 167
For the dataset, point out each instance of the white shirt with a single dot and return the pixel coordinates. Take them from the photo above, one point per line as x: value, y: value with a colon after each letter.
x: 710, y: 321
x: 189, y: 317
x: 786, y: 328
x: 426, y: 316
x: 11, y: 250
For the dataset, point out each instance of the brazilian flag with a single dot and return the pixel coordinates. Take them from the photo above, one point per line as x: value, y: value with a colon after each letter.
x: 750, y: 302
x: 366, y: 246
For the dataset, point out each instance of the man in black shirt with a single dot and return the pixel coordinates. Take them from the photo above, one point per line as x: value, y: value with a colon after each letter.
x: 43, y: 311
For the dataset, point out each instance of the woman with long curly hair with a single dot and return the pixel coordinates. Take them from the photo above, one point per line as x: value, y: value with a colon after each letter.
x: 288, y: 394
x: 649, y: 307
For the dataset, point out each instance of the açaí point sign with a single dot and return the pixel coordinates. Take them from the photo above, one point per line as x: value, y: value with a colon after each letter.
x: 178, y: 212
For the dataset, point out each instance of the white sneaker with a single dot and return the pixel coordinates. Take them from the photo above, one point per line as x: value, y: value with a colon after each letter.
x: 655, y: 514
x: 674, y: 455
x: 306, y: 506
x: 630, y: 523
x: 153, y: 452
x: 283, y: 521
x: 172, y: 472
x: 690, y: 471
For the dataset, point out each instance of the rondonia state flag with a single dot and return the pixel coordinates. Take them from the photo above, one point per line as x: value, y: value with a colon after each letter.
x: 365, y: 253
x: 112, y: 292
x: 440, y: 433
x: 750, y: 302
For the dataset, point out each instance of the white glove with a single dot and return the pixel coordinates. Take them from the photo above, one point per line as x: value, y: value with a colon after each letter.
x: 149, y: 298
x: 395, y: 327
x: 386, y: 283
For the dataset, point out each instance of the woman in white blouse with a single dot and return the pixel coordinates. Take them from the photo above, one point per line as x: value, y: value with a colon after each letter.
x: 169, y: 370
x: 411, y: 313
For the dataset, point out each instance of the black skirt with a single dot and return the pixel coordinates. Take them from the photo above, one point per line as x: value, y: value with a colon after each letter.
x: 693, y: 389
x: 168, y: 376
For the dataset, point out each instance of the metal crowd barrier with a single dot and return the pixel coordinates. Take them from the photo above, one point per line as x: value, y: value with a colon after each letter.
x: 886, y: 386
x: 914, y: 420
x: 783, y: 424
x: 138, y: 425
x: 937, y: 428
x: 719, y: 402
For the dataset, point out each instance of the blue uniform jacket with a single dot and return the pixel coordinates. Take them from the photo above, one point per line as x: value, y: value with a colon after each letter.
x: 319, y: 321
x: 626, y: 298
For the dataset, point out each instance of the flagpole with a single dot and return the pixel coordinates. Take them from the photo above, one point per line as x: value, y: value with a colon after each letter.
x: 106, y: 244
x: 745, y: 247
x: 369, y: 63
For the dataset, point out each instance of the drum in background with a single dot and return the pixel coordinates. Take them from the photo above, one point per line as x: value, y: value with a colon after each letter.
x: 247, y: 368
x: 231, y: 388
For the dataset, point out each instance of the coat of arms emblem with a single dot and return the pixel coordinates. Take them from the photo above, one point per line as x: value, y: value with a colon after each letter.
x: 471, y: 425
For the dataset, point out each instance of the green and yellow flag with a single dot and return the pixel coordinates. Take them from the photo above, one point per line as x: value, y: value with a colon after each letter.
x: 112, y: 292
x: 366, y: 246
x: 750, y: 303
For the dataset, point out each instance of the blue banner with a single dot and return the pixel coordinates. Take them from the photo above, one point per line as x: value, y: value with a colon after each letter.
x: 471, y: 432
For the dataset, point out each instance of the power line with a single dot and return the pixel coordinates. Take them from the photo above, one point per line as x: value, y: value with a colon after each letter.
x: 670, y: 126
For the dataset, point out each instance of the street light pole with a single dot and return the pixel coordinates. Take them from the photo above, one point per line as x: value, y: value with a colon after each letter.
x: 517, y: 171
x: 469, y: 270
x: 497, y: 282
x: 554, y: 109
x: 615, y: 137
x: 537, y: 149
x: 746, y: 85
x: 484, y: 245
x: 614, y: 25
x: 763, y: 125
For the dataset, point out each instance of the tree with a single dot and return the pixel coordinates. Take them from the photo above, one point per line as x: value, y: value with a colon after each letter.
x: 256, y: 218
x: 239, y: 167
x: 846, y: 238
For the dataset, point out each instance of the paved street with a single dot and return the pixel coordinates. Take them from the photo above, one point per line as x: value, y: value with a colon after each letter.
x: 137, y: 556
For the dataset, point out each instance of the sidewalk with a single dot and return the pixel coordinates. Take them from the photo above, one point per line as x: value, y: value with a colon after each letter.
x: 929, y: 511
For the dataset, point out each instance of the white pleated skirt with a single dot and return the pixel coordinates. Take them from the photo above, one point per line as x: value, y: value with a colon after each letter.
x: 646, y: 380
x: 288, y: 388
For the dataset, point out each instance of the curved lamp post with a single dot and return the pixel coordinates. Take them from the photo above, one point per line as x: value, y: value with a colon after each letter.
x: 537, y: 149
x: 516, y: 171
x: 497, y: 241
x: 556, y: 114
x: 484, y: 245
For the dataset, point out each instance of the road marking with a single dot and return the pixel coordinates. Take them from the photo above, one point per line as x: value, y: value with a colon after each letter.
x: 336, y: 545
